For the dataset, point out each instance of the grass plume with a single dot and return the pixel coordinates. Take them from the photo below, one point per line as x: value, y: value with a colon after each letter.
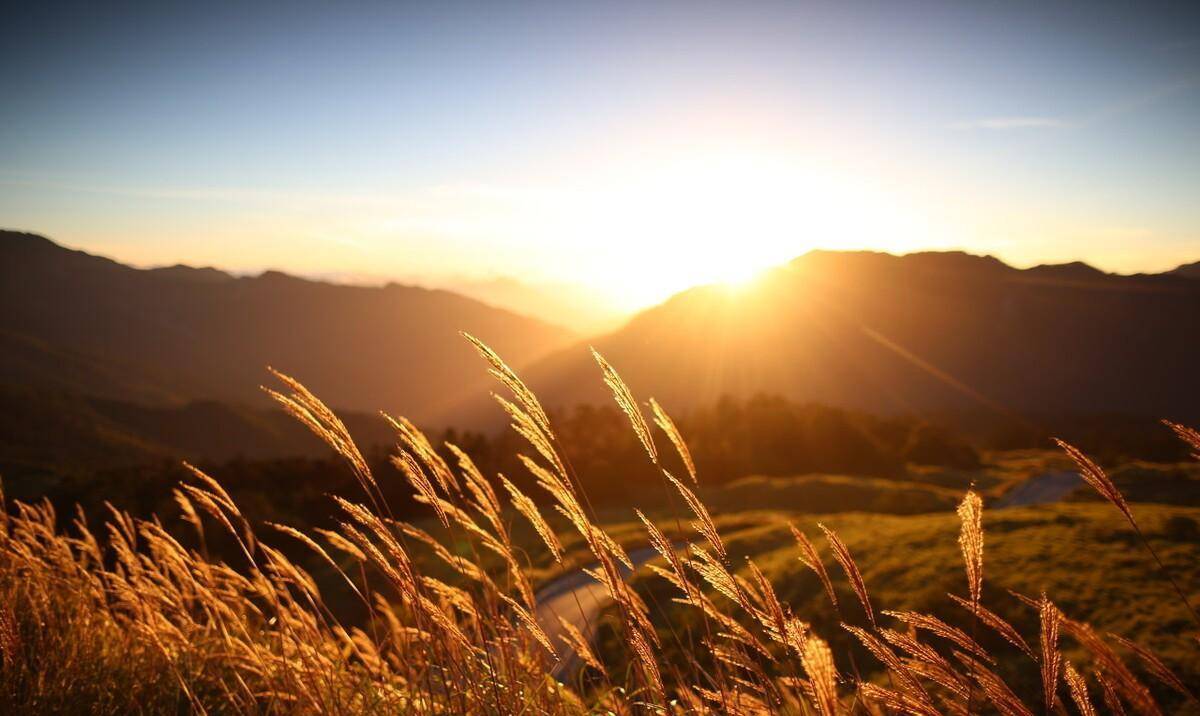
x: 132, y: 617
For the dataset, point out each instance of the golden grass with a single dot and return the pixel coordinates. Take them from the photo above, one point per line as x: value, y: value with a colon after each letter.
x: 134, y: 620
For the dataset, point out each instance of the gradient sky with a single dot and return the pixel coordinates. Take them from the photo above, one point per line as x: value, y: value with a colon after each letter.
x: 641, y: 147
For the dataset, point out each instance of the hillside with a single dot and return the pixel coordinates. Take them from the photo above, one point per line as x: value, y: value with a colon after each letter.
x: 584, y: 310
x: 45, y: 433
x: 1191, y: 270
x: 910, y: 334
x: 82, y: 324
x: 1083, y: 556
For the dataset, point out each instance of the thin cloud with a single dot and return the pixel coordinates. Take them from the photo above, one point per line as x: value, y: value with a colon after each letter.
x: 1005, y: 123
x: 1145, y: 99
x: 1123, y: 106
x: 202, y: 194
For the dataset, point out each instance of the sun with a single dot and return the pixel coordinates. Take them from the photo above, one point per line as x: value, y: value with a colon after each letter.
x: 644, y: 227
x: 664, y: 271
x: 706, y: 218
x: 739, y: 277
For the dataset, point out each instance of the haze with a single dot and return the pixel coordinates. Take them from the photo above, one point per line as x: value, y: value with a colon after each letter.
x: 631, y: 149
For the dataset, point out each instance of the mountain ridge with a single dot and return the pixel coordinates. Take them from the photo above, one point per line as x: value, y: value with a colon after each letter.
x: 183, y: 333
x: 1191, y: 270
x: 924, y: 332
x: 872, y: 331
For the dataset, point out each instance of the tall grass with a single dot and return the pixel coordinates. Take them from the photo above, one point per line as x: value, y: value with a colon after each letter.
x: 129, y: 618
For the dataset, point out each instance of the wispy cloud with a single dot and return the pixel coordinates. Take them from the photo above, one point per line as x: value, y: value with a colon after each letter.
x: 1004, y: 123
x: 1122, y: 106
x: 1151, y: 96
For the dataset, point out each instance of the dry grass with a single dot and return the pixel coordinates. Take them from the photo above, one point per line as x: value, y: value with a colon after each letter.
x: 133, y: 620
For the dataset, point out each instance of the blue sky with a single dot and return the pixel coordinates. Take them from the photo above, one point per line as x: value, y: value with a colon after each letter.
x: 639, y: 146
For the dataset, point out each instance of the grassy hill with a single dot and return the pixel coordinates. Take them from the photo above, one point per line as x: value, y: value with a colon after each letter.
x: 821, y: 494
x: 240, y: 623
x: 1082, y: 555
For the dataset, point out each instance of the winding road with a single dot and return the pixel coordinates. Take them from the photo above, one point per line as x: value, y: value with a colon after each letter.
x: 1050, y: 486
x: 580, y: 600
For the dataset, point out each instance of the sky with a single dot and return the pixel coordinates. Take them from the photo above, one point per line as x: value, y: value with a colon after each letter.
x: 638, y: 148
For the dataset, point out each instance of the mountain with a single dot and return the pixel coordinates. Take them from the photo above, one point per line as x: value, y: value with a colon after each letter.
x: 82, y: 324
x: 922, y: 333
x: 583, y: 310
x: 47, y: 432
x: 919, y: 333
x: 1191, y: 270
x: 578, y: 308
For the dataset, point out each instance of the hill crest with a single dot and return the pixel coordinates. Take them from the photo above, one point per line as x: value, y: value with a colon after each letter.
x: 87, y: 324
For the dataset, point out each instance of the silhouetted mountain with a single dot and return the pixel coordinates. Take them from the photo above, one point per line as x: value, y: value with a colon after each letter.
x: 580, y: 309
x: 910, y: 334
x: 1191, y: 270
x: 84, y: 324
x: 1074, y: 271
x: 48, y: 432
x: 180, y: 272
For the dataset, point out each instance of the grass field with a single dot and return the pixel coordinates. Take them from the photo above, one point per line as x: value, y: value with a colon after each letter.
x: 1082, y: 555
x: 135, y: 616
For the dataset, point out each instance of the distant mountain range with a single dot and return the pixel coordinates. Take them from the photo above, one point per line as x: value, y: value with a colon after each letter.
x: 101, y: 360
x: 920, y: 333
x: 1191, y: 270
x: 585, y: 311
x: 581, y: 309
x: 82, y: 324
